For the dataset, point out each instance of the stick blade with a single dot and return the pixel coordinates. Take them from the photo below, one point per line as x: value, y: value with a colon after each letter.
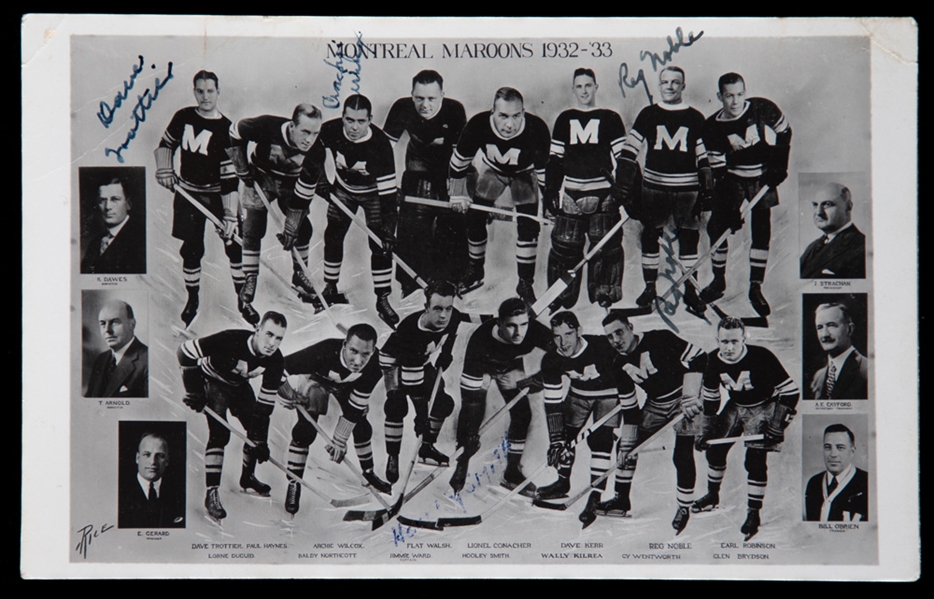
x: 637, y: 311
x: 761, y: 322
x: 364, y: 515
x: 350, y: 501
x: 429, y: 524
x: 549, y: 296
x: 465, y: 521
x: 548, y: 505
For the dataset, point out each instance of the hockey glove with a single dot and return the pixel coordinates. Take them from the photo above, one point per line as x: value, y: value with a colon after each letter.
x: 338, y: 449
x: 293, y: 221
x: 691, y: 406
x: 557, y: 446
x: 735, y: 220
x: 195, y: 401
x: 165, y: 171
x: 775, y: 428
x: 289, y: 397
x: 705, y: 197
x: 777, y: 170
x: 193, y: 381
x: 705, y: 433
x: 629, y: 436
x: 457, y: 192
x: 533, y: 383
x: 260, y: 451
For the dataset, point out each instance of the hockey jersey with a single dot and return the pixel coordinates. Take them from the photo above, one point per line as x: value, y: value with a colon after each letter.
x: 274, y: 154
x: 365, y: 166
x: 743, y: 146
x: 431, y: 141
x: 658, y: 364
x: 675, y: 150
x: 756, y: 378
x: 594, y: 373
x: 584, y: 144
x: 205, y: 165
x: 520, y: 153
x: 412, y: 346
x: 323, y: 361
x: 488, y: 354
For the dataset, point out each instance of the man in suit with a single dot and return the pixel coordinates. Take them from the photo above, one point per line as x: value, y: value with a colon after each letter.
x: 147, y: 500
x: 841, y: 493
x: 121, y: 248
x: 841, y: 252
x: 122, y: 370
x: 846, y: 374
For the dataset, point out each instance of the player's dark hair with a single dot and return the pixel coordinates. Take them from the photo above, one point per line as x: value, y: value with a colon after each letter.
x: 674, y: 69
x: 440, y: 287
x: 123, y: 185
x: 514, y: 306
x: 276, y: 318
x: 730, y: 79
x: 362, y: 331
x: 309, y: 110
x: 154, y: 435
x: 203, y: 75
x: 841, y: 428
x: 565, y: 317
x: 844, y: 309
x: 584, y: 71
x: 616, y: 316
x: 358, y: 102
x: 508, y: 94
x: 730, y: 323
x: 427, y: 77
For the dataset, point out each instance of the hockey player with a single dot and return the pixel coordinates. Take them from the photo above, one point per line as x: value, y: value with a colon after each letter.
x: 597, y: 385
x: 201, y: 136
x: 762, y: 400
x: 342, y: 368
x: 495, y: 352
x: 748, y: 142
x: 413, y: 356
x: 365, y: 177
x: 275, y: 164
x: 432, y: 240
x: 216, y: 372
x: 669, y: 370
x: 513, y: 148
x: 584, y: 143
x: 676, y: 173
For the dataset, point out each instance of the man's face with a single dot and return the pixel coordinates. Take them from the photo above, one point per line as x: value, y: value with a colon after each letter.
x: 671, y: 85
x: 514, y: 329
x: 267, y: 338
x: 830, y: 211
x: 508, y: 117
x: 112, y: 202
x: 733, y: 97
x: 357, y: 353
x: 567, y: 339
x: 116, y: 329
x: 833, y: 332
x: 585, y: 90
x: 620, y: 336
x: 356, y: 123
x: 151, y: 458
x: 305, y: 132
x: 838, y: 452
x: 438, y: 310
x: 206, y: 93
x: 731, y: 343
x: 427, y: 98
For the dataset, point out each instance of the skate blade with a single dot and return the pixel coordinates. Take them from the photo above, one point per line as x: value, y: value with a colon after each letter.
x: 254, y: 493
x: 613, y: 514
x: 750, y: 535
x: 219, y: 522
x: 705, y: 510
x: 587, y: 518
x: 473, y: 287
x: 697, y: 313
x: 529, y: 491
x: 638, y: 310
x: 433, y: 463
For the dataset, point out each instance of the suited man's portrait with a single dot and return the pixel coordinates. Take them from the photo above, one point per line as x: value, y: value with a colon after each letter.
x: 113, y: 220
x: 839, y: 490
x: 835, y: 341
x: 839, y: 249
x: 151, y: 486
x: 115, y: 360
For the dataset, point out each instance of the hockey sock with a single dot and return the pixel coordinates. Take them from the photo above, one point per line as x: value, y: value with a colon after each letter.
x: 364, y: 454
x: 688, y: 240
x: 757, y: 476
x: 393, y: 437
x: 761, y: 232
x: 249, y: 462
x: 685, y: 469
x: 623, y: 483
x: 213, y: 465
x: 650, y: 250
x: 719, y: 258
x: 476, y: 250
x: 434, y: 427
x: 298, y: 457
x: 526, y: 251
x: 192, y: 279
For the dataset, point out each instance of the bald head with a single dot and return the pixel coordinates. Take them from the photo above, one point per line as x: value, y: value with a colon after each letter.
x: 832, y: 204
x: 117, y: 324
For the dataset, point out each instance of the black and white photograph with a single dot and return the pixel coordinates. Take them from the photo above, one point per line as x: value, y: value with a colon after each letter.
x: 568, y: 288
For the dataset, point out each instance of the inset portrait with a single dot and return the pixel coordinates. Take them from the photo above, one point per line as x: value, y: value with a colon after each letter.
x: 152, y: 475
x: 836, y: 468
x: 835, y: 345
x: 115, y: 357
x: 113, y: 219
x: 835, y: 208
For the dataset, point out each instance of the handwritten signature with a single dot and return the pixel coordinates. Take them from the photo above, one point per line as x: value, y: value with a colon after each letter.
x: 626, y: 81
x: 88, y: 534
x: 668, y: 307
x: 143, y: 103
x: 334, y: 100
x: 106, y: 112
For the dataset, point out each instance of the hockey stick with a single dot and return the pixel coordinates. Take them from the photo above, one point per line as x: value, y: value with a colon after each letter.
x: 460, y: 450
x: 334, y: 502
x: 472, y: 520
x: 569, y: 502
x: 352, y: 468
x: 474, y: 206
x: 740, y: 439
x: 353, y: 216
x: 558, y: 287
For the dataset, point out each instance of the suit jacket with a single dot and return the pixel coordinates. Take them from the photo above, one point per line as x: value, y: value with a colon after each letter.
x: 852, y: 499
x: 852, y: 381
x: 126, y: 254
x: 842, y: 258
x: 136, y: 511
x: 130, y: 378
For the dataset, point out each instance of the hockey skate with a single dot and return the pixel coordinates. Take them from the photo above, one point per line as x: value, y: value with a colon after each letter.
x: 758, y: 301
x: 692, y: 303
x: 306, y: 291
x: 248, y: 312
x: 459, y: 478
x: 555, y: 490
x: 332, y: 295
x: 249, y: 481
x: 212, y: 503
x: 512, y: 478
x: 248, y: 291
x: 292, y: 497
x: 525, y: 290
x: 392, y: 467
x: 751, y: 525
x: 681, y: 519
x: 617, y: 507
x: 191, y: 308
x: 707, y: 503
x: 376, y: 482
x: 429, y: 454
x: 647, y: 296
x: 473, y: 280
x: 714, y: 290
x: 588, y: 516
x: 385, y: 311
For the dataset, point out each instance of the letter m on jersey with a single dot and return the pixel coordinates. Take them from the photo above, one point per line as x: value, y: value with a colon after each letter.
x: 677, y: 142
x: 743, y: 383
x: 511, y: 156
x: 195, y: 144
x: 585, y: 135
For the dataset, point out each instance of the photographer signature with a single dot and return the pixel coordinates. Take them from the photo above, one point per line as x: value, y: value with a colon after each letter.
x: 88, y: 534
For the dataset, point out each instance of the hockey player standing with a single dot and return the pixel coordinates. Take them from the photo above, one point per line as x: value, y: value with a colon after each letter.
x: 432, y: 240
x: 201, y: 135
x: 748, y: 143
x: 513, y: 148
x: 216, y: 372
x: 762, y: 399
x: 584, y: 143
x: 676, y: 173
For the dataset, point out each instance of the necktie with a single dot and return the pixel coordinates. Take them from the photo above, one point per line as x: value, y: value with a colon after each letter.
x: 107, y: 375
x: 826, y: 239
x: 830, y: 487
x: 152, y: 492
x: 831, y: 379
x: 105, y: 242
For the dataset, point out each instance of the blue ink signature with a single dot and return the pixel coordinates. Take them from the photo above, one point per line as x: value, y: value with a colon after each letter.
x: 106, y: 112
x: 625, y: 81
x: 88, y: 534
x: 143, y: 103
x: 334, y: 101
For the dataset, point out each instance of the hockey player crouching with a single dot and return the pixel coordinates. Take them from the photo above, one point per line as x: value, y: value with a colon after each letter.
x: 344, y: 369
